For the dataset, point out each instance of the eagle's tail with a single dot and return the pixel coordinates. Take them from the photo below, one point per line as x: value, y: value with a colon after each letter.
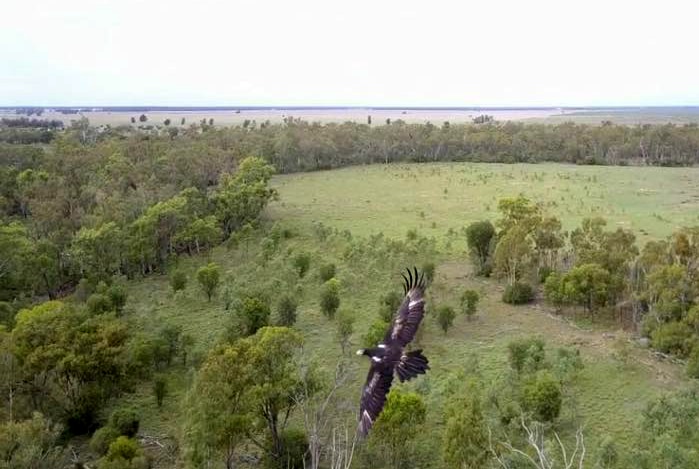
x: 412, y: 364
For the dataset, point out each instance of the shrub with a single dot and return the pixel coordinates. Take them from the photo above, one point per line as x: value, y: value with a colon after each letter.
x: 330, y: 297
x: 518, y: 293
x: 7, y: 313
x: 469, y: 302
x: 345, y: 328
x: 445, y: 317
x: 98, y: 303
x: 159, y: 390
x: 428, y: 270
x: 286, y: 311
x: 326, y: 272
x: 542, y: 396
x: 254, y: 312
x: 526, y: 354
x: 178, y: 280
x: 390, y: 303
x: 375, y: 334
x: 125, y: 421
x: 124, y: 448
x: 301, y: 262
x: 83, y: 290
x: 294, y: 446
x: 102, y: 438
x: 208, y: 277
x: 117, y: 296
x: 673, y: 337
x: 544, y: 273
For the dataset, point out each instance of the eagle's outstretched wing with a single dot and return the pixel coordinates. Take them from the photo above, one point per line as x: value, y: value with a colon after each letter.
x: 374, y: 392
x: 407, y: 319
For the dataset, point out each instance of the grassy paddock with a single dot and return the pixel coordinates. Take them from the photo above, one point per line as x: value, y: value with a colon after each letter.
x: 613, y: 387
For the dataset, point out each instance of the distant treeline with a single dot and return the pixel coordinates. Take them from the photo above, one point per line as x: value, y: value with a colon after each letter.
x: 25, y: 122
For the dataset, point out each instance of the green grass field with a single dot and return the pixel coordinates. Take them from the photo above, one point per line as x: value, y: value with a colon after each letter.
x: 610, y: 392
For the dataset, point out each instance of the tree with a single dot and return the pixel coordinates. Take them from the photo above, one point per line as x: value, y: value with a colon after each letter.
x: 178, y: 280
x: 469, y: 303
x: 399, y: 423
x: 159, y: 390
x: 330, y: 297
x: 548, y: 241
x: 32, y: 443
x: 167, y: 122
x: 518, y: 212
x: 254, y: 312
x: 479, y: 236
x: 345, y: 328
x: 542, y: 396
x: 445, y: 317
x: 326, y: 272
x: 389, y: 305
x: 208, y: 277
x: 465, y: 441
x: 133, y: 120
x: 242, y: 197
x: 142, y: 118
x: 375, y: 333
x: 286, y: 311
x: 513, y: 253
x: 302, y: 262
x: 244, y: 391
x: 587, y: 285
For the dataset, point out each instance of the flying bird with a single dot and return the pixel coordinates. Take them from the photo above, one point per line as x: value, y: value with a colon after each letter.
x: 389, y: 357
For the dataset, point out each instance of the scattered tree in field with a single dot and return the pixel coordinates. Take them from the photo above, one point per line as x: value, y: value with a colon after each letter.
x: 330, y: 297
x: 465, y: 441
x: 211, y: 121
x: 399, y: 423
x: 326, y: 272
x: 479, y: 236
x: 345, y: 328
x: 159, y: 390
x: 389, y: 305
x: 133, y: 120
x: 469, y: 303
x: 99, y: 303
x: 117, y: 297
x: 445, y: 317
x: 518, y: 293
x: 513, y: 254
x: 167, y: 122
x: 143, y: 118
x: 301, y: 262
x: 182, y: 121
x: 526, y: 354
x: 286, y: 311
x: 254, y: 313
x: 125, y: 421
x: 178, y: 280
x: 230, y: 393
x: 428, y: 270
x: 587, y: 285
x: 542, y: 396
x: 124, y: 453
x: 368, y: 120
x: 208, y: 277
x: 375, y: 333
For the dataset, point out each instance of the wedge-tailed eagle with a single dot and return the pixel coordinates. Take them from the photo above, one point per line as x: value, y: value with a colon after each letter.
x: 389, y: 357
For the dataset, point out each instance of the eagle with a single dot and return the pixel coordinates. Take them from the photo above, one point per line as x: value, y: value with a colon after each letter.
x: 389, y: 357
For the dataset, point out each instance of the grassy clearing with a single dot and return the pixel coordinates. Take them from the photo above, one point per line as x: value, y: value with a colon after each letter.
x: 433, y: 198
x: 610, y: 392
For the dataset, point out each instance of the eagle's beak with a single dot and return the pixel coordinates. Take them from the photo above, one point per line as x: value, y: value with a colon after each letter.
x: 360, y: 351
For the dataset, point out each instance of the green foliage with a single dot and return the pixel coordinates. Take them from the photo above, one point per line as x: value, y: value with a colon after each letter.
x: 295, y: 446
x: 208, y: 277
x: 344, y: 328
x: 117, y: 297
x: 102, y: 438
x: 469, y: 303
x: 542, y: 396
x: 587, y: 285
x: 526, y: 354
x: 31, y: 443
x: 398, y: 424
x: 330, y: 297
x: 99, y: 303
x: 178, y: 280
x: 375, y: 333
x: 301, y: 262
x: 327, y: 271
x: 513, y: 254
x: 479, y: 236
x: 124, y: 449
x: 445, y: 317
x: 673, y: 337
x: 125, y: 421
x: 254, y: 313
x: 465, y: 440
x: 389, y: 304
x: 160, y: 390
x: 286, y: 310
x: 7, y: 314
x: 518, y: 293
x: 428, y: 270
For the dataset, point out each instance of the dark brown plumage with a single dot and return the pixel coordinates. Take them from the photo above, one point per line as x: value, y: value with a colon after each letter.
x: 389, y: 357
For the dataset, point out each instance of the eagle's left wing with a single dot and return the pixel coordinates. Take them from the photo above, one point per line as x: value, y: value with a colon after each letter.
x: 410, y: 313
x: 374, y: 392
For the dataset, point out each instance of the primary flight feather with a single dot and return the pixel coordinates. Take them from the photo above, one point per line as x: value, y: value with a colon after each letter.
x: 389, y: 357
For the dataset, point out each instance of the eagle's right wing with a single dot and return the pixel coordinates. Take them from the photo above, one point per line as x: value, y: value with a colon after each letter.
x: 410, y: 313
x: 374, y: 392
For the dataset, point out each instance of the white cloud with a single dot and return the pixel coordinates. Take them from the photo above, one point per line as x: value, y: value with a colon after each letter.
x: 323, y: 52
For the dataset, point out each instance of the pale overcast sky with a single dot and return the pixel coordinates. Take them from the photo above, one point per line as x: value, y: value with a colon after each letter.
x: 355, y: 52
